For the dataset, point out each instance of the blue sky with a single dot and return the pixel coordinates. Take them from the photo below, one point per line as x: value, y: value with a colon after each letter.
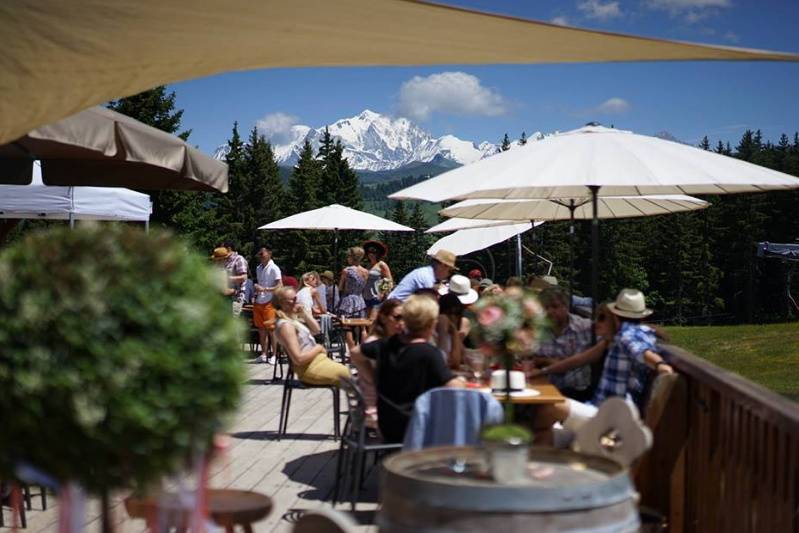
x: 689, y: 100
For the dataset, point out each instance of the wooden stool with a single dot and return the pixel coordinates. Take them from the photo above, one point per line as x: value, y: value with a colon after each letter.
x: 227, y: 508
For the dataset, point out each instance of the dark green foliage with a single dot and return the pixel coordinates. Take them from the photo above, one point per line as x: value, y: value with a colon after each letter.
x: 120, y: 357
x: 310, y: 250
x: 505, y: 146
x: 523, y: 139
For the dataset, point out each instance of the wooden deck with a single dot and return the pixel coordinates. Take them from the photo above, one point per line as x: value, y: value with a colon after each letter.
x: 297, y: 472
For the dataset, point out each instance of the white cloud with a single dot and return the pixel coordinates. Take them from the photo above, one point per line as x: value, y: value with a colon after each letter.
x: 276, y: 127
x: 612, y: 106
x: 560, y: 21
x: 692, y: 11
x: 453, y: 93
x: 595, y: 9
x: 732, y: 37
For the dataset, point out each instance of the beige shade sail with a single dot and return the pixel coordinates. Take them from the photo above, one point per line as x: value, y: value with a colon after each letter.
x: 101, y: 147
x: 59, y: 57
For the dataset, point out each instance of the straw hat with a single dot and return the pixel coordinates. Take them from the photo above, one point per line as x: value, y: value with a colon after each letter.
x: 462, y: 288
x: 220, y: 253
x: 445, y: 257
x: 327, y: 274
x: 630, y: 303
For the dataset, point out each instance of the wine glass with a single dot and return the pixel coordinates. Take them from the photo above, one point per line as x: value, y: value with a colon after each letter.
x: 476, y: 362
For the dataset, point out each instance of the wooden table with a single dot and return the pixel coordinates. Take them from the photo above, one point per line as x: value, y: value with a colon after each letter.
x: 227, y: 508
x: 549, y: 393
x: 356, y: 325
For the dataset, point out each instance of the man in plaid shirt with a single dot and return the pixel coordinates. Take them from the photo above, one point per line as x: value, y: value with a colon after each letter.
x: 625, y: 371
x: 237, y: 269
x: 572, y: 334
x: 630, y: 363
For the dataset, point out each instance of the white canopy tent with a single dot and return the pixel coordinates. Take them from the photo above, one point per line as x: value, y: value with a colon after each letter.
x: 39, y: 201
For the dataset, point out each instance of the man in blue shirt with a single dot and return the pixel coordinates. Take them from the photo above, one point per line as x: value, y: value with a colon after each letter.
x: 441, y: 267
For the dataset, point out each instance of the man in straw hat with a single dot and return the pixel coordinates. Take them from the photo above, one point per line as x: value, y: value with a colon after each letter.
x: 441, y: 267
x: 631, y: 360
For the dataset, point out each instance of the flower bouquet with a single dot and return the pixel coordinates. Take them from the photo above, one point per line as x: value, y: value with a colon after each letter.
x: 384, y: 286
x: 507, y: 325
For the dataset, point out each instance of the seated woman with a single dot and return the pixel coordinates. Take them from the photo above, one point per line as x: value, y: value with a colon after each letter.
x: 295, y: 330
x: 388, y: 322
x: 308, y: 296
x: 407, y: 366
x: 632, y: 358
x: 451, y: 328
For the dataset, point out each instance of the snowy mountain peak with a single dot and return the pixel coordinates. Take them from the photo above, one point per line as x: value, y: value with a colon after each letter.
x: 376, y: 142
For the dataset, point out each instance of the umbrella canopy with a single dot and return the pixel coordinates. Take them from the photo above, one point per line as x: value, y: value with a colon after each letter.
x: 466, y: 241
x: 561, y: 209
x: 72, y: 203
x: 60, y: 57
x: 99, y: 146
x: 455, y: 224
x: 336, y: 217
x: 619, y: 163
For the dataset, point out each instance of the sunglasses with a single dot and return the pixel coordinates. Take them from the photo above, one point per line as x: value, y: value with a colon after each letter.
x: 602, y: 317
x: 397, y: 317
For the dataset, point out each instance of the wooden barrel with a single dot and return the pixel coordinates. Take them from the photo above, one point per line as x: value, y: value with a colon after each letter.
x: 449, y: 489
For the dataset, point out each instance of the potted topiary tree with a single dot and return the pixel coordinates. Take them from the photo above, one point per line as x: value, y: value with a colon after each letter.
x: 119, y: 359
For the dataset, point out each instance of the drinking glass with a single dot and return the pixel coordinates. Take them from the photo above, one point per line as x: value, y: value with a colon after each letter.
x: 476, y: 362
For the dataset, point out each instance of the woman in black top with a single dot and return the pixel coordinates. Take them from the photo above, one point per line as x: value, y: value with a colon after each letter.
x: 407, y: 366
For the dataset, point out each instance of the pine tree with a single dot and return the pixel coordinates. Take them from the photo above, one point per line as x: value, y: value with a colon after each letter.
x: 153, y: 107
x: 523, y: 139
x: 705, y: 144
x: 420, y: 240
x: 265, y: 195
x: 505, y: 146
x: 309, y: 249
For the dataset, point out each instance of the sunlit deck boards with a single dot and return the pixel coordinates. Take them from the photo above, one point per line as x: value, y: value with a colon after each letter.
x: 297, y: 472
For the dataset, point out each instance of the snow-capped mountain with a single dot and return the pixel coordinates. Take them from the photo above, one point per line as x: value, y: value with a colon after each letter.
x: 375, y: 142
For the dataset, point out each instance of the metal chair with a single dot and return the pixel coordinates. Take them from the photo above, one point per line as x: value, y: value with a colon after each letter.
x: 356, y: 443
x: 289, y: 384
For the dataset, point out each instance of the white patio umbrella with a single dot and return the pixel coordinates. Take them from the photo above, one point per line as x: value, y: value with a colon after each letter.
x: 466, y: 241
x: 572, y: 209
x: 461, y: 225
x: 335, y: 217
x: 593, y: 161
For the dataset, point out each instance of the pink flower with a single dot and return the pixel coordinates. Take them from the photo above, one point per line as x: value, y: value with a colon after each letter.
x: 490, y: 315
x: 532, y: 308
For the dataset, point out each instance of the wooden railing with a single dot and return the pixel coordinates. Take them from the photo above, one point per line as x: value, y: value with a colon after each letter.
x: 726, y: 454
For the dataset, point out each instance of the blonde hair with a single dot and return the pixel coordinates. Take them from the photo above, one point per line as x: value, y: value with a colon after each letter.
x: 308, y: 275
x: 420, y: 313
x: 356, y: 253
x: 279, y: 297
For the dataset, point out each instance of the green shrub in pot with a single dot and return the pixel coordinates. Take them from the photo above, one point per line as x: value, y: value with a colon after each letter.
x: 119, y: 358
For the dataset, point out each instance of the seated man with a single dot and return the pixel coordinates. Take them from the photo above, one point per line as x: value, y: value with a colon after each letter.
x: 631, y: 359
x: 407, y: 366
x: 571, y: 335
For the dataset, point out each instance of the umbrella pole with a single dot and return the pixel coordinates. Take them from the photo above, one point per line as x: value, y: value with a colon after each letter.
x: 572, y: 237
x: 335, y: 251
x: 594, y: 256
x: 71, y: 220
x: 519, y: 255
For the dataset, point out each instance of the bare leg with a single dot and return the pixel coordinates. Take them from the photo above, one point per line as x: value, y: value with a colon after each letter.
x: 262, y: 340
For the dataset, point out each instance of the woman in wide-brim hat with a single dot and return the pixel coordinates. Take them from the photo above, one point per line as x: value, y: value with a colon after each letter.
x: 379, y: 282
